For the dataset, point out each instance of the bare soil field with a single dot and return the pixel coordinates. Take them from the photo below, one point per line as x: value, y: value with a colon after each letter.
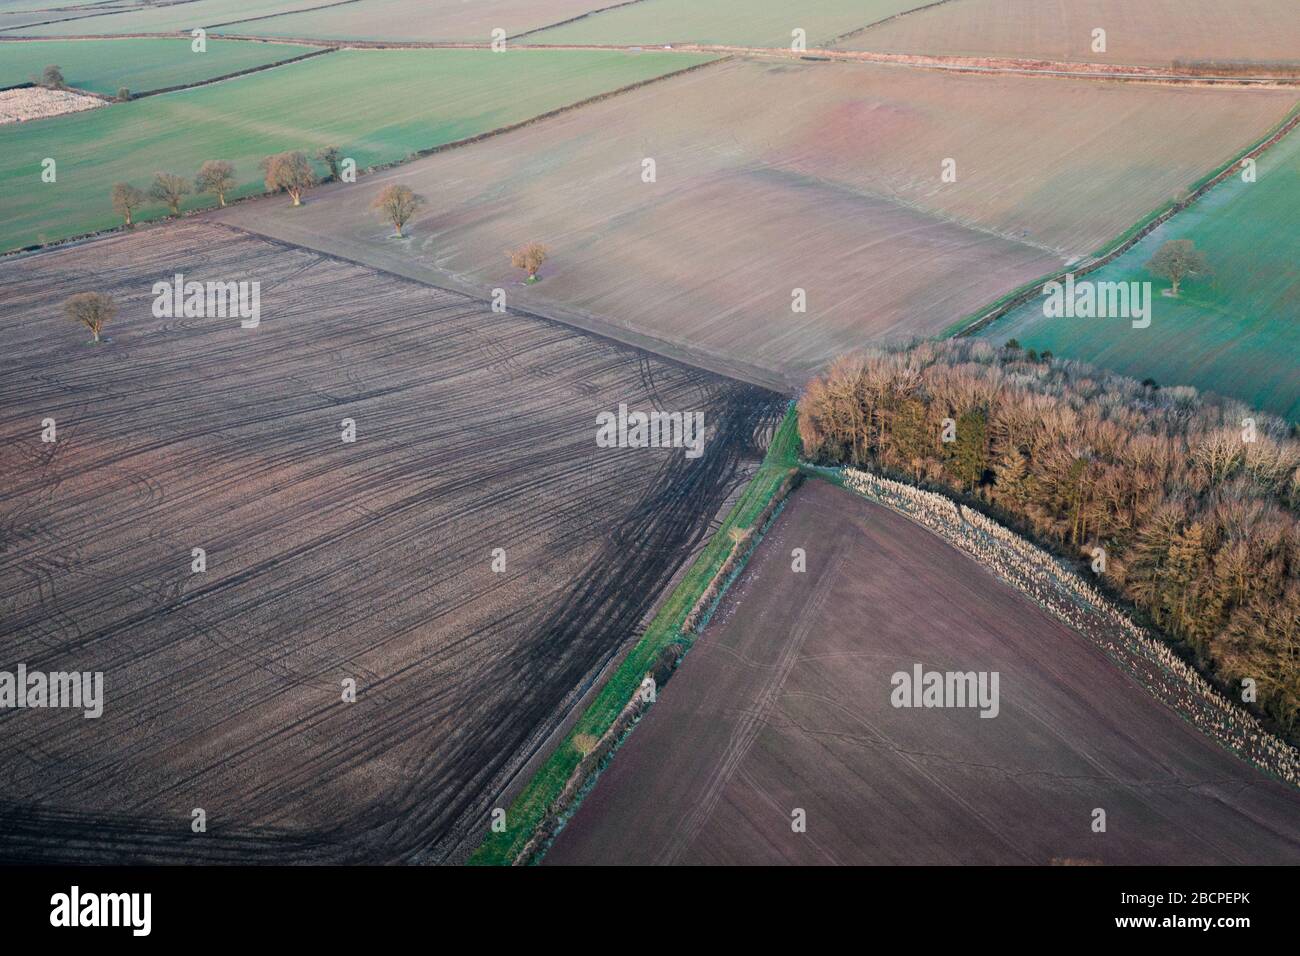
x: 825, y: 177
x: 1147, y: 33
x: 784, y: 704
x: 325, y: 560
x: 37, y: 102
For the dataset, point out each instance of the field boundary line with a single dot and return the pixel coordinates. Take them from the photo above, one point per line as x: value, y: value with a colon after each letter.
x: 549, y: 114
x: 542, y: 806
x: 601, y: 332
x: 893, y: 16
x: 1021, y: 563
x: 581, y: 16
x: 230, y: 76
x: 644, y: 344
x: 1008, y: 66
x: 986, y: 316
x: 173, y: 35
x: 282, y: 13
x: 982, y: 66
x: 988, y: 66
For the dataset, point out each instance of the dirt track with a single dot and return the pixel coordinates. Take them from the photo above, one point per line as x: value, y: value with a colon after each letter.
x: 326, y: 560
x: 784, y: 703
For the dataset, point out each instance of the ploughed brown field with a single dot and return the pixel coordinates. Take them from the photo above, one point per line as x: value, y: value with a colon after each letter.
x: 771, y: 177
x: 326, y: 560
x: 784, y: 703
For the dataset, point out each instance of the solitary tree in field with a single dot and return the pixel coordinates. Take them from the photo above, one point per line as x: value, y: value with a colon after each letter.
x: 126, y: 200
x: 529, y: 258
x: 91, y: 309
x: 330, y: 156
x: 52, y: 77
x: 171, y: 189
x: 397, y: 204
x: 1176, y: 260
x: 123, y: 94
x: 290, y: 172
x: 216, y: 176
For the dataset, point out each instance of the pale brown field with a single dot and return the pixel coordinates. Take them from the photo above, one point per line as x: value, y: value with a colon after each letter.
x: 784, y: 703
x: 771, y: 177
x: 1139, y: 32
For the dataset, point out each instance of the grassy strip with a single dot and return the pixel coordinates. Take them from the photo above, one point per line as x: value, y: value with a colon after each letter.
x: 531, y: 806
x: 1199, y: 185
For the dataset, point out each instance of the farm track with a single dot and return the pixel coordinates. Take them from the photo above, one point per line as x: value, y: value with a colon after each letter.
x: 326, y: 560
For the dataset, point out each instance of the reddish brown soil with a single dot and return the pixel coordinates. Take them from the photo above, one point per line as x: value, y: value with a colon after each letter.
x: 784, y: 704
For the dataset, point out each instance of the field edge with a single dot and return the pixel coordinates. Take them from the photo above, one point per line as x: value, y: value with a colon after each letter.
x: 531, y: 808
x: 1000, y: 307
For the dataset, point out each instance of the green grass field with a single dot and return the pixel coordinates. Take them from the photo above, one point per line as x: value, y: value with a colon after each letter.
x: 1231, y: 332
x: 530, y: 807
x: 377, y: 106
x: 738, y: 22
x: 141, y: 65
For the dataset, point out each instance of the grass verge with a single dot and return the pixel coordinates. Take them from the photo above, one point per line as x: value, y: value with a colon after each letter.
x: 534, y: 801
x: 1120, y: 244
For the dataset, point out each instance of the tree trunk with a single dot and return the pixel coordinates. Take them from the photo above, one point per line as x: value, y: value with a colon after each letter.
x: 221, y: 198
x: 95, y: 333
x: 1175, y: 288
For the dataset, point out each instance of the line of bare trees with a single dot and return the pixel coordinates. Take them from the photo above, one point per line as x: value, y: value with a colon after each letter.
x: 1187, y: 506
x: 289, y: 172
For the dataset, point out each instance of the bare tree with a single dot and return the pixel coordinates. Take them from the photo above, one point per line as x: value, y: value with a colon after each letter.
x: 290, y: 172
x: 397, y: 204
x: 216, y: 176
x: 330, y: 156
x: 170, y: 189
x: 126, y: 200
x: 1176, y: 260
x: 530, y: 259
x: 52, y: 77
x: 94, y: 310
